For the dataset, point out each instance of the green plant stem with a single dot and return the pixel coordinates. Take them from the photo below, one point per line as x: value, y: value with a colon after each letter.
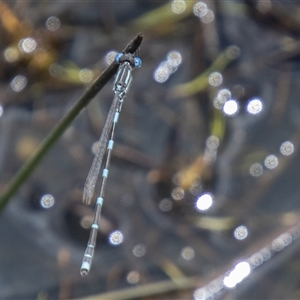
x: 33, y: 161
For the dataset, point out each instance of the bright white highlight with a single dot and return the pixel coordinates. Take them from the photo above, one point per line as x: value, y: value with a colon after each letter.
x: 161, y: 74
x: 178, y: 6
x: 254, y: 106
x: 47, y: 201
x: 241, y: 232
x: 168, y: 67
x: 200, y: 9
x: 230, y: 107
x: 287, y: 148
x: 116, y: 238
x: 271, y: 161
x: 174, y: 58
x: 215, y: 78
x: 238, y: 274
x: 204, y: 202
x: 27, y: 45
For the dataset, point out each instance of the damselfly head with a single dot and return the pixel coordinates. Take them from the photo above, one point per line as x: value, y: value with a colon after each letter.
x: 135, y: 62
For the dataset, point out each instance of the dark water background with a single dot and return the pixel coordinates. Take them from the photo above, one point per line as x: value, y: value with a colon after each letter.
x: 174, y: 144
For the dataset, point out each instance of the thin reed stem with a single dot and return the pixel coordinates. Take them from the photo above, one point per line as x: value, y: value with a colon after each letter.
x: 33, y: 161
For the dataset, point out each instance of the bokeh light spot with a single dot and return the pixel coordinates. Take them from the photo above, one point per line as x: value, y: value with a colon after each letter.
x: 215, y: 78
x: 264, y: 6
x: 47, y: 201
x: 200, y: 294
x: 266, y: 253
x: 271, y: 161
x: 204, y: 202
x: 241, y: 232
x: 222, y: 96
x: 287, y: 148
x: 161, y: 74
x: 178, y: 6
x: 110, y: 57
x: 233, y: 52
x: 208, y: 17
x: 18, y: 83
x: 85, y: 75
x: 196, y: 187
x: 230, y: 107
x: 177, y: 193
x: 240, y: 271
x: 56, y: 70
x: 165, y: 204
x: 282, y: 241
x: 168, y: 66
x: 256, y: 170
x: 53, y: 23
x: 27, y: 45
x: 25, y: 146
x: 256, y: 259
x: 86, y: 222
x: 200, y: 9
x: 11, y: 54
x: 174, y: 58
x: 254, y: 106
x: 133, y: 277
x: 177, y: 178
x: 139, y: 250
x: 188, y: 253
x: 116, y: 238
x: 212, y: 142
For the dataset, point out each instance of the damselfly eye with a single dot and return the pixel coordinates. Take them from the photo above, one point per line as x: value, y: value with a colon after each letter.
x: 118, y: 56
x: 137, y: 62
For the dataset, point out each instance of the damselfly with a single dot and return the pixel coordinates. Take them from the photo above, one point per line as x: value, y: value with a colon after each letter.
x: 127, y: 62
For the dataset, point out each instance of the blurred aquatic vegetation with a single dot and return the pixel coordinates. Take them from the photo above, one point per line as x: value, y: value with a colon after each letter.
x: 202, y: 81
x: 203, y: 194
x: 165, y: 18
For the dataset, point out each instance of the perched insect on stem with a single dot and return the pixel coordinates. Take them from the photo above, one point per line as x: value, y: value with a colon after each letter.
x: 123, y: 79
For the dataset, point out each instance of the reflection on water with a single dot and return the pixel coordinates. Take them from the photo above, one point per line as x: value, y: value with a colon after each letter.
x: 47, y: 201
x: 230, y: 107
